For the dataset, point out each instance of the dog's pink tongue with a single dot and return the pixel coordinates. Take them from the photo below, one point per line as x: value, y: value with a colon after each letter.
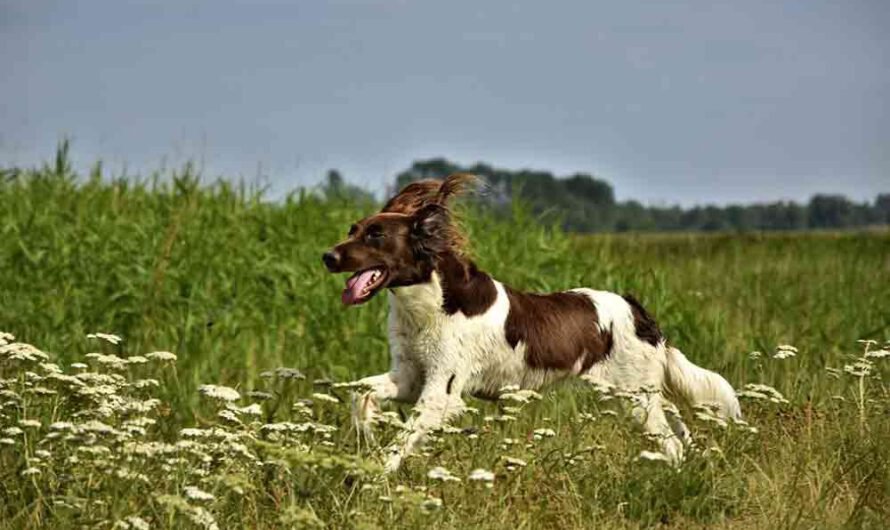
x: 354, y: 286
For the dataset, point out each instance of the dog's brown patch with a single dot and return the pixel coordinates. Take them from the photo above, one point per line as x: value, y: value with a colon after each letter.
x: 645, y: 326
x: 558, y: 330
x: 464, y: 287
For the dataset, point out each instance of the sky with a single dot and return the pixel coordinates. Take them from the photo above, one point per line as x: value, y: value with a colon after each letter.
x: 674, y: 102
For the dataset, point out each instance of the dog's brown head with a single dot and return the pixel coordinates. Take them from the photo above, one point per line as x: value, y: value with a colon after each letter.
x: 400, y: 245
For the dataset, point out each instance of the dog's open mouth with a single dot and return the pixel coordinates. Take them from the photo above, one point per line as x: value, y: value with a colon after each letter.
x: 363, y: 285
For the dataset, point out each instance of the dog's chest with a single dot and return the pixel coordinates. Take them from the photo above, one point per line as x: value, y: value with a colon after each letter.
x: 417, y: 326
x: 422, y: 332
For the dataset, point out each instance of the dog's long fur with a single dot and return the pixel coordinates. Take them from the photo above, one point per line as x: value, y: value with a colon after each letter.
x: 454, y: 330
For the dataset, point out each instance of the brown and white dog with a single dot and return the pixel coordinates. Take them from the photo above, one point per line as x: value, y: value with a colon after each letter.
x: 454, y: 330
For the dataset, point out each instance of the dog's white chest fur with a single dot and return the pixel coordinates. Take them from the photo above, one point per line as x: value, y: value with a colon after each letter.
x: 423, y: 335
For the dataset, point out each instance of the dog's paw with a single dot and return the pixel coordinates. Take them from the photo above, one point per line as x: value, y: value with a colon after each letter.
x: 392, y: 464
x: 365, y: 410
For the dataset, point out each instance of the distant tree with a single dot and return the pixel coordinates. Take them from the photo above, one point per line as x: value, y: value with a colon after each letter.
x: 585, y: 203
x: 830, y: 211
x: 590, y: 189
x: 882, y: 208
x: 335, y: 182
x: 336, y: 188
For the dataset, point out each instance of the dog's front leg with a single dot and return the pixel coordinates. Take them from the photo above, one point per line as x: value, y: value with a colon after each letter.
x: 400, y: 384
x: 439, y: 402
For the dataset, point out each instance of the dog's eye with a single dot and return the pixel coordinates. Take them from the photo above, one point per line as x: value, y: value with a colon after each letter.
x: 375, y: 232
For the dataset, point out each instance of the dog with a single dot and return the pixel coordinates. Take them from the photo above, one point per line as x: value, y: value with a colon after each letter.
x: 454, y: 330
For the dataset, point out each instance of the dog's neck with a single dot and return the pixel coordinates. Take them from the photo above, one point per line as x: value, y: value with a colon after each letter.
x: 455, y: 284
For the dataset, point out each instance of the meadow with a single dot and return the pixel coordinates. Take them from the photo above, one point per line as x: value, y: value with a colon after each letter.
x: 219, y: 407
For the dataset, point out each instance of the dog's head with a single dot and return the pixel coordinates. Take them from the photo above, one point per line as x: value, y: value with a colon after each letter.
x: 400, y: 245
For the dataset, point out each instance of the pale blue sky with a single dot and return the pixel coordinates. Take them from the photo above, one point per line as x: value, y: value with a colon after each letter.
x: 673, y: 102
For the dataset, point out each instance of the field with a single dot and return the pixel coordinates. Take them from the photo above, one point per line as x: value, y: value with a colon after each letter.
x: 233, y: 285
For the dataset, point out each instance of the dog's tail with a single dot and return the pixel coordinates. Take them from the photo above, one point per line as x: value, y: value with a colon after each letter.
x: 699, y: 387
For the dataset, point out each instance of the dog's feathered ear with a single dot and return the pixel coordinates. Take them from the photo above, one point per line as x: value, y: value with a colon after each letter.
x: 431, y: 229
x: 418, y: 194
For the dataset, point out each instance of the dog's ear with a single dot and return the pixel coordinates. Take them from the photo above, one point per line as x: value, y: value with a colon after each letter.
x: 431, y: 229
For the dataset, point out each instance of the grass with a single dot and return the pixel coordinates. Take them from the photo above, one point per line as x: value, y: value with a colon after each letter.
x: 234, y: 286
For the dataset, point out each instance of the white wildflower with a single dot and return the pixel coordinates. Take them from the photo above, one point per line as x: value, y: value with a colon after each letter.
x: 449, y: 429
x: 259, y: 396
x: 202, y: 518
x: 228, y: 415
x: 513, y: 463
x: 196, y: 494
x: 254, y: 409
x: 145, y: 383
x: 352, y: 385
x: 162, y: 356
x: 79, y: 366
x: 31, y: 471
x: 110, y: 360
x: 137, y: 359
x: 653, y: 456
x: 19, y: 351
x: 586, y: 416
x: 520, y: 396
x: 289, y: 373
x: 708, y: 416
x: 712, y: 451
x: 108, y: 337
x: 761, y: 391
x: 7, y: 441
x: 860, y: 368
x: 50, y: 368
x: 431, y: 504
x: 6, y: 338
x: 61, y: 426
x: 222, y: 393
x: 13, y: 431
x: 784, y: 351
x: 43, y: 453
x: 440, y: 473
x: 30, y: 424
x: 96, y: 426
x: 481, y: 475
x: 325, y: 397
x: 878, y: 354
x: 132, y: 522
x: 544, y: 432
x: 755, y: 355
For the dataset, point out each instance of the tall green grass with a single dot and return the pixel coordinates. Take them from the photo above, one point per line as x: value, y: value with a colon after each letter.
x: 234, y: 285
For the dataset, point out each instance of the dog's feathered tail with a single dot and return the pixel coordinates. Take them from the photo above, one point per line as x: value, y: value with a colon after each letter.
x: 699, y: 387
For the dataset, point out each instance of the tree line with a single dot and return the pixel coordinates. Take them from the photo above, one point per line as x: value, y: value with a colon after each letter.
x: 584, y: 203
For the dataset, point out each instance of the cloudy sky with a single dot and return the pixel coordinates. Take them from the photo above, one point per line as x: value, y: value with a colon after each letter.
x: 673, y: 102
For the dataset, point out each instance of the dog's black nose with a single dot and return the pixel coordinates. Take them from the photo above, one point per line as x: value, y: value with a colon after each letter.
x: 331, y: 260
